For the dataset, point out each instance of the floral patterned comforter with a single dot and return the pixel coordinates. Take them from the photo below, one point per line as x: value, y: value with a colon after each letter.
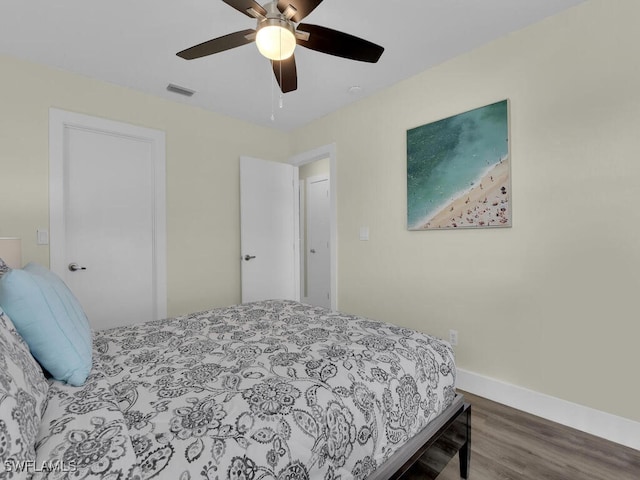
x: 267, y: 390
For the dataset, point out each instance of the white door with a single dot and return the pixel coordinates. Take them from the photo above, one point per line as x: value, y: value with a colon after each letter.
x: 269, y: 230
x: 318, y: 228
x: 310, y: 157
x: 107, y: 218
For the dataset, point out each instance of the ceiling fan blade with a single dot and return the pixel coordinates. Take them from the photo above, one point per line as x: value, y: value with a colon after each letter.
x: 302, y: 7
x: 286, y: 74
x: 244, y: 6
x: 216, y: 45
x: 333, y: 42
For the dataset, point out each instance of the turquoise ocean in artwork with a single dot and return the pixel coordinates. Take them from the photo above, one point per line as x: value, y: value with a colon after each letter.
x: 446, y: 158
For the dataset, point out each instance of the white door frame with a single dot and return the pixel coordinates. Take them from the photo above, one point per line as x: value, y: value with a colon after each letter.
x: 59, y: 121
x: 311, y: 156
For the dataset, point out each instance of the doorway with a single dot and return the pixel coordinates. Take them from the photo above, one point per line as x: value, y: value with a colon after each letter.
x: 315, y: 214
x: 318, y: 269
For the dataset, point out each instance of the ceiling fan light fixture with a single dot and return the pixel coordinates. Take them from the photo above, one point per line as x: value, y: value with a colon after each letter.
x: 276, y: 39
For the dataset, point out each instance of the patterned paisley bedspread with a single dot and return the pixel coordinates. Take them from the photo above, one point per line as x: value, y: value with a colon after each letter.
x: 268, y: 390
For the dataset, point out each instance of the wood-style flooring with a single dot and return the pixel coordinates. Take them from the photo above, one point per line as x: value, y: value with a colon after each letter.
x: 507, y: 444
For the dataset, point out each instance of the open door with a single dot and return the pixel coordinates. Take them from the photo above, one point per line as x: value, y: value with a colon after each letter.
x: 269, y: 231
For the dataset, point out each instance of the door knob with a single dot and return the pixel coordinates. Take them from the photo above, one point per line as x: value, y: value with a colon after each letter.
x: 74, y: 267
x: 313, y: 250
x: 249, y: 257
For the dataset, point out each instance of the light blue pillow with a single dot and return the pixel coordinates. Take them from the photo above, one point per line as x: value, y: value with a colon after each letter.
x: 51, y: 321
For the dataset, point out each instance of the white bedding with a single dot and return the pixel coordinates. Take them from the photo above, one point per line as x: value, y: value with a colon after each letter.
x: 268, y: 390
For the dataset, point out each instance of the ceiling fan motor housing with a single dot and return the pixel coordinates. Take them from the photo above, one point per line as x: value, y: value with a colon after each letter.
x: 275, y: 34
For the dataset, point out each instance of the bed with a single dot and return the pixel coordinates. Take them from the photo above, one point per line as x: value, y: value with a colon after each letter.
x: 266, y: 390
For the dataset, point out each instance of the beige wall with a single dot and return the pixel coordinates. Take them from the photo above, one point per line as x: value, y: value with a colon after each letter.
x: 203, y: 148
x: 550, y: 304
x: 318, y: 167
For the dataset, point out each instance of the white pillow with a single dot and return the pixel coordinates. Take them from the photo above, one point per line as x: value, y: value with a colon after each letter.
x: 4, y: 268
x: 23, y: 395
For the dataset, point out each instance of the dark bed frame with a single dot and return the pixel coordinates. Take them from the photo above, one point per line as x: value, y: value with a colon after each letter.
x: 431, y: 458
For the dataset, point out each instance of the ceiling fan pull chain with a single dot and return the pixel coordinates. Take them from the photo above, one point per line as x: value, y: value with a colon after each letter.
x: 273, y: 116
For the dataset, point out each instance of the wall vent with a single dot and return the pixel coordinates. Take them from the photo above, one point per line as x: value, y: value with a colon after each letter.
x: 180, y: 90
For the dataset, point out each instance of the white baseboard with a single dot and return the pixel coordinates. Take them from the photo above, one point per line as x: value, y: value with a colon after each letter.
x: 611, y: 427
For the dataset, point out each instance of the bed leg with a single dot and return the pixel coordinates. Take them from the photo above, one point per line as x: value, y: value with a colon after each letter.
x: 464, y: 454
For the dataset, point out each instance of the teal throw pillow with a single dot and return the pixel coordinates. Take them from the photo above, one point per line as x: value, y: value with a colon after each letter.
x: 50, y: 319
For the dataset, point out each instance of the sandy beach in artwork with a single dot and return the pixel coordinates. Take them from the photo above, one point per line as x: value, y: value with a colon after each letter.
x: 485, y: 204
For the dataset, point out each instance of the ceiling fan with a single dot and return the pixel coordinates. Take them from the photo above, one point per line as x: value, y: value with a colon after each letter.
x: 279, y: 31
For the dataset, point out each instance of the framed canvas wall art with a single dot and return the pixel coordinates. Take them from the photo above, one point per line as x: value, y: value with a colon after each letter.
x: 458, y: 171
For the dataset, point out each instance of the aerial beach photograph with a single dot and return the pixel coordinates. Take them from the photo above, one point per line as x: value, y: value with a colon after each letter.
x: 458, y: 171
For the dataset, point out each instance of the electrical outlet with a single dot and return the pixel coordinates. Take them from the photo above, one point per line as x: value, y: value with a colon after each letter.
x: 453, y: 337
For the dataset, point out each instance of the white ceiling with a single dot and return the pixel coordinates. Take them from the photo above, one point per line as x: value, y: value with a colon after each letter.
x: 133, y: 43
